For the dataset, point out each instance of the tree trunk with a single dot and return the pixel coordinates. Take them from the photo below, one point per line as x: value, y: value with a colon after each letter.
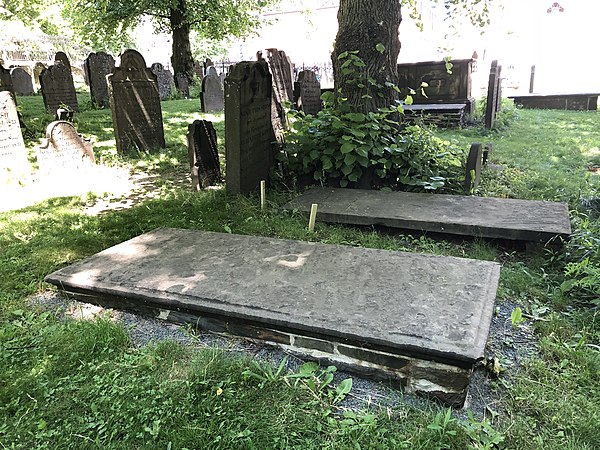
x: 362, y: 26
x: 182, y: 59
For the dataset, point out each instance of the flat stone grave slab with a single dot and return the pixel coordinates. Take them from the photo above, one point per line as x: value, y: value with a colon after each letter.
x: 484, y: 217
x: 420, y: 319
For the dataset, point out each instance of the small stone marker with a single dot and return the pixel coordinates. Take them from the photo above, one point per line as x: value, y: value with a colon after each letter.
x: 307, y: 92
x: 473, y: 167
x: 62, y: 58
x: 57, y: 85
x: 280, y: 67
x: 64, y: 149
x: 37, y: 70
x: 135, y: 104
x: 96, y: 67
x: 203, y: 154
x: 164, y: 79
x: 21, y: 81
x: 248, y: 130
x: 487, y: 152
x: 6, y: 80
x: 182, y: 84
x: 13, y: 155
x: 212, y: 92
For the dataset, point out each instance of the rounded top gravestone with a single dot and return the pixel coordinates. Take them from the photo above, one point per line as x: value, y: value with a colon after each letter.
x: 62, y: 58
x: 21, y: 81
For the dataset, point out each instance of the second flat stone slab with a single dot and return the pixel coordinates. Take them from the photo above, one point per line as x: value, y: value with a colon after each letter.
x: 486, y: 217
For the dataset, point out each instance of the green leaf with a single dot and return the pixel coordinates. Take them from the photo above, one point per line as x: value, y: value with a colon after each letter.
x: 408, y: 100
x: 315, y: 154
x: 355, y: 117
x: 347, y: 147
x: 350, y: 159
x: 343, y: 183
x: 327, y: 164
x: 342, y: 55
x: 346, y: 170
x: 380, y: 47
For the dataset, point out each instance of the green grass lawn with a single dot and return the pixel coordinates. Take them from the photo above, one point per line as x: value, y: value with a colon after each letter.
x: 81, y: 384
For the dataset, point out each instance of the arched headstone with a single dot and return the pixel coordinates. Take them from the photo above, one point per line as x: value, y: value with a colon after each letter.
x: 21, y: 80
x: 212, y: 98
x: 97, y: 67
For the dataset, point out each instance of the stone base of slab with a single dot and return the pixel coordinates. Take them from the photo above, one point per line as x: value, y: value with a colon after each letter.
x: 576, y: 101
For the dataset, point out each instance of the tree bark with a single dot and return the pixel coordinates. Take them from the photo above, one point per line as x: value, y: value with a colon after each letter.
x: 363, y: 25
x: 181, y: 59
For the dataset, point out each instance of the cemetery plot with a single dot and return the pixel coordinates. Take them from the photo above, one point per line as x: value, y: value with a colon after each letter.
x: 96, y: 67
x: 420, y: 319
x: 64, y: 149
x: 248, y: 129
x: 203, y: 154
x: 485, y: 217
x: 13, y: 155
x: 135, y: 105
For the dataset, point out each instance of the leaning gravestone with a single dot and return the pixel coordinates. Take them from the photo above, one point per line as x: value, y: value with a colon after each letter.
x: 283, y: 91
x: 58, y: 89
x: 492, y: 103
x: 164, y: 79
x: 37, y: 71
x: 135, y: 104
x: 64, y: 149
x: 203, y: 154
x: 13, y: 156
x: 307, y: 92
x: 248, y: 130
x: 212, y: 98
x: 96, y: 67
x: 6, y: 80
x: 21, y: 80
x: 473, y: 167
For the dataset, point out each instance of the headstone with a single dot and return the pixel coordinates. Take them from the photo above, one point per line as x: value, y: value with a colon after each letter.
x: 13, y: 156
x: 97, y: 67
x: 212, y: 98
x: 6, y: 80
x: 58, y: 89
x: 492, y: 96
x: 86, y: 78
x: 283, y: 90
x: 64, y: 149
x: 21, y: 81
x: 307, y: 92
x: 135, y: 104
x: 473, y: 167
x: 531, y: 79
x: 37, y: 70
x: 499, y: 88
x: 182, y: 83
x: 164, y: 79
x: 487, y: 152
x: 62, y: 58
x: 248, y: 129
x: 64, y: 114
x: 198, y: 69
x: 203, y: 154
x: 208, y: 63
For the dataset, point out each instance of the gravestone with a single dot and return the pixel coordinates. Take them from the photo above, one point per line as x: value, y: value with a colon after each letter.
x: 208, y: 63
x: 487, y: 153
x: 307, y: 92
x: 198, y: 69
x: 58, y: 89
x: 248, y: 129
x: 63, y: 59
x: 212, y: 98
x: 6, y: 81
x: 473, y: 167
x: 96, y: 67
x: 492, y: 103
x: 203, y: 154
x: 135, y: 104
x: 64, y: 150
x: 13, y: 155
x: 182, y: 83
x: 164, y: 79
x: 37, y: 70
x: 283, y: 91
x: 21, y: 81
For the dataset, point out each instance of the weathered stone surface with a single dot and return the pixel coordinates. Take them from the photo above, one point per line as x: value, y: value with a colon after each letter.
x: 182, y: 84
x: 61, y: 57
x: 6, y: 81
x: 164, y: 79
x: 37, y: 71
x: 64, y: 149
x: 486, y: 217
x: 203, y: 154
x: 427, y: 306
x: 307, y: 92
x: 473, y: 167
x: 574, y: 101
x: 135, y: 104
x: 21, y: 81
x: 58, y: 88
x: 213, y: 97
x: 96, y: 67
x: 494, y: 95
x: 282, y: 74
x: 248, y: 130
x: 13, y: 155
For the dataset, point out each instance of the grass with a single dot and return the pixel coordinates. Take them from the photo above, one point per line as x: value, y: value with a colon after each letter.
x: 81, y: 384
